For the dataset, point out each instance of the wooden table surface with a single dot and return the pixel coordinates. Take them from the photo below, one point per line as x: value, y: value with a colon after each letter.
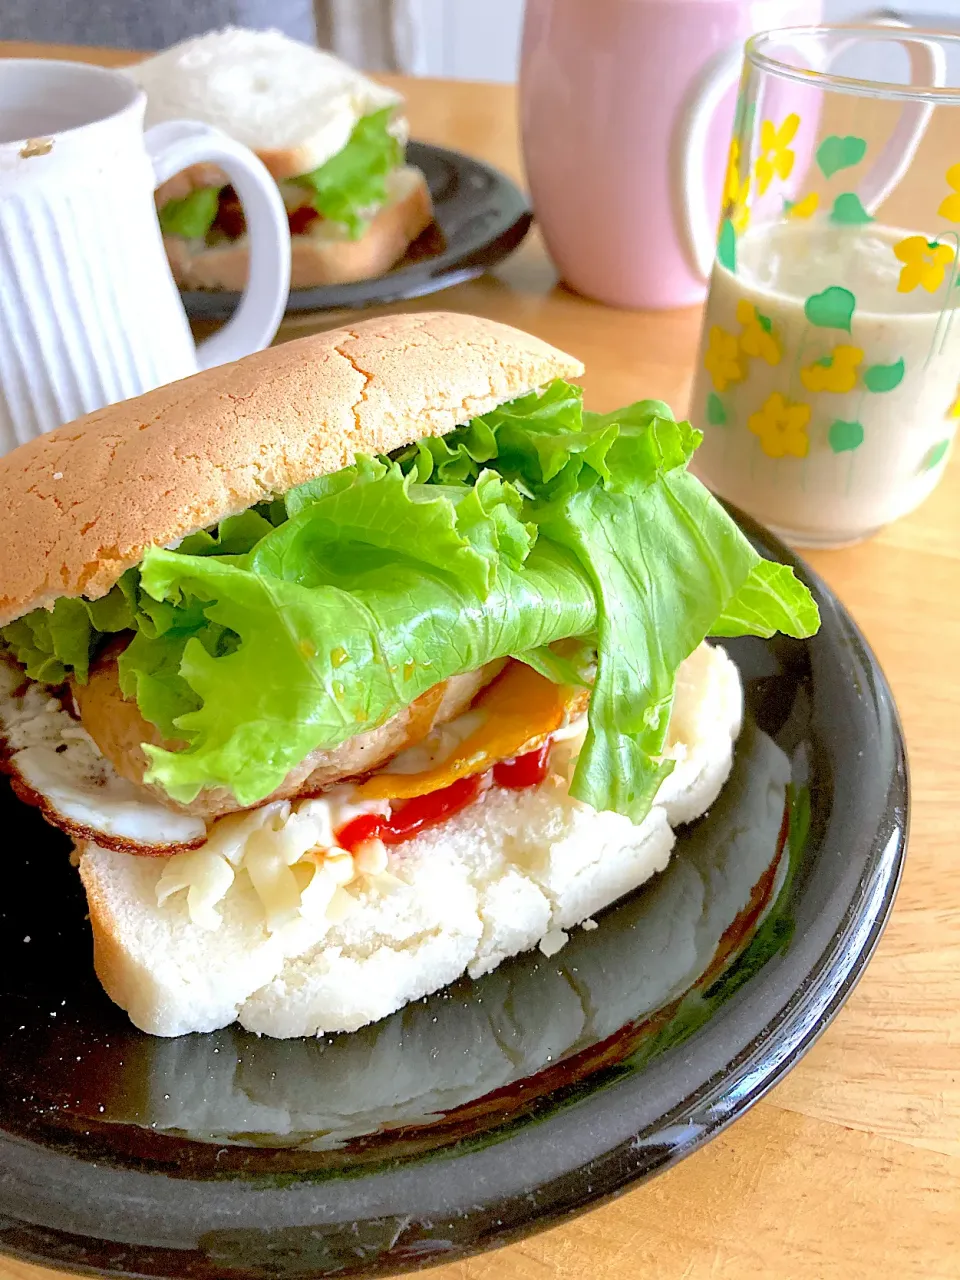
x: 851, y: 1167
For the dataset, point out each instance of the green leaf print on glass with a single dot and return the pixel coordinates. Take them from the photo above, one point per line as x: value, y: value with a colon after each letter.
x: 834, y: 154
x: 739, y: 112
x: 727, y: 246
x: 844, y: 437
x: 936, y: 455
x: 765, y: 323
x: 832, y: 309
x: 848, y: 210
x: 716, y: 413
x: 744, y: 115
x: 884, y: 377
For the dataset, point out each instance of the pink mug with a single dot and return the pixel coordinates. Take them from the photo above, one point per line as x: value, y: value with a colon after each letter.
x: 618, y: 100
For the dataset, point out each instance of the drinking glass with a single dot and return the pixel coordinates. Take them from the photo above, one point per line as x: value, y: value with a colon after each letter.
x: 826, y: 383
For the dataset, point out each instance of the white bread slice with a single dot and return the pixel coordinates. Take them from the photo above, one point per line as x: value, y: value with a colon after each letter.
x: 515, y: 868
x: 322, y: 255
x: 487, y: 885
x: 292, y: 104
x: 706, y: 713
x: 323, y: 1093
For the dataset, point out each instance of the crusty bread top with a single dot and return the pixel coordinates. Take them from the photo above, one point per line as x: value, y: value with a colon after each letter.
x: 83, y: 503
x: 291, y: 103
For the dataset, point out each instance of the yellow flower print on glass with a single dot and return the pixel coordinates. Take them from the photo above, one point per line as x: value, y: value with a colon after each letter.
x: 924, y: 263
x: 781, y: 427
x: 776, y: 159
x: 804, y: 208
x: 722, y: 358
x: 736, y: 191
x: 950, y: 208
x: 756, y: 338
x: 731, y: 183
x: 837, y: 372
x: 954, y: 410
x: 740, y: 212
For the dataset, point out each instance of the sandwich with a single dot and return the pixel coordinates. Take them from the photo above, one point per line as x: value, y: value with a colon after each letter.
x: 365, y: 662
x: 333, y: 140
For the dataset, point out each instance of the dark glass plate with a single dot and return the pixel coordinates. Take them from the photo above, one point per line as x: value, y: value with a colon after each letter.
x: 493, y: 1108
x: 479, y: 217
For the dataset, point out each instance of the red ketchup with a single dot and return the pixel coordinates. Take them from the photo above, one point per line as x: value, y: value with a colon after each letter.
x: 413, y: 816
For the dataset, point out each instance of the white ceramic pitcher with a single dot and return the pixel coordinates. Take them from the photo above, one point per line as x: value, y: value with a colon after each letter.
x: 89, y: 312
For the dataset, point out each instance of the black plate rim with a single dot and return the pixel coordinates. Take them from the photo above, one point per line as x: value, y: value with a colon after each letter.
x: 452, y: 267
x: 761, y: 1063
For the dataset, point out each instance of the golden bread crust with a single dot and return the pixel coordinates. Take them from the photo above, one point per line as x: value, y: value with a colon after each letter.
x: 84, y: 503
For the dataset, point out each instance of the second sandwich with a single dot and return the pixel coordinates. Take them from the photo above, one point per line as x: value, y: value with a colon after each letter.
x: 332, y: 138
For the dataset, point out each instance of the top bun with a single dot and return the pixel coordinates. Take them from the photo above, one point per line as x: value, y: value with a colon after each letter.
x: 85, y: 502
x: 291, y: 103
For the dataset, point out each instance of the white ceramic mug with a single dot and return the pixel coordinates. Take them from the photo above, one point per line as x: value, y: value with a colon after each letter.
x: 89, y: 312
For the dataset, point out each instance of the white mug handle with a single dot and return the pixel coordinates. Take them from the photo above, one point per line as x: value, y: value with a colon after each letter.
x: 698, y: 235
x: 177, y: 144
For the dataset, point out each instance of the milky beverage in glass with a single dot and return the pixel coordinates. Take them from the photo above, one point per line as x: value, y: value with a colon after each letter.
x: 826, y: 385
x: 604, y: 86
x: 829, y: 431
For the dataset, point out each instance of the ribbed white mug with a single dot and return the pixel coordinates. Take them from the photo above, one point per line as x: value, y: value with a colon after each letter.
x: 89, y: 312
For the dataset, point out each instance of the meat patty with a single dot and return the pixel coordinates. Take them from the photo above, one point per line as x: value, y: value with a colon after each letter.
x: 117, y: 727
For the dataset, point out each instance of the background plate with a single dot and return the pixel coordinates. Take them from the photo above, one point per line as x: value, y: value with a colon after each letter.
x: 481, y: 215
x: 493, y: 1108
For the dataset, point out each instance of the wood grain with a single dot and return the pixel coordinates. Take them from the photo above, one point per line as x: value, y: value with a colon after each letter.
x: 851, y: 1167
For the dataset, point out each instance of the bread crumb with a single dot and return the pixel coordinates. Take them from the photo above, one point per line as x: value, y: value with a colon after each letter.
x: 553, y: 941
x: 589, y: 925
x: 58, y: 475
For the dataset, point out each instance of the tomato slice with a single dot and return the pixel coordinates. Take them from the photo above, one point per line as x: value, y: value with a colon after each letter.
x: 523, y: 771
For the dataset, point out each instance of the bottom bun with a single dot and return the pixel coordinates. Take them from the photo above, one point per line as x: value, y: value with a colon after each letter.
x: 321, y: 256
x: 513, y: 870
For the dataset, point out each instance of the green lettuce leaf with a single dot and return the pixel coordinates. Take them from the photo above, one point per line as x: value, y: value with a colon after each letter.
x: 663, y: 569
x: 770, y: 600
x: 193, y: 216
x: 351, y: 185
x: 666, y: 562
x: 575, y: 542
x: 317, y: 664
x: 383, y: 514
x: 572, y: 662
x: 52, y: 644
